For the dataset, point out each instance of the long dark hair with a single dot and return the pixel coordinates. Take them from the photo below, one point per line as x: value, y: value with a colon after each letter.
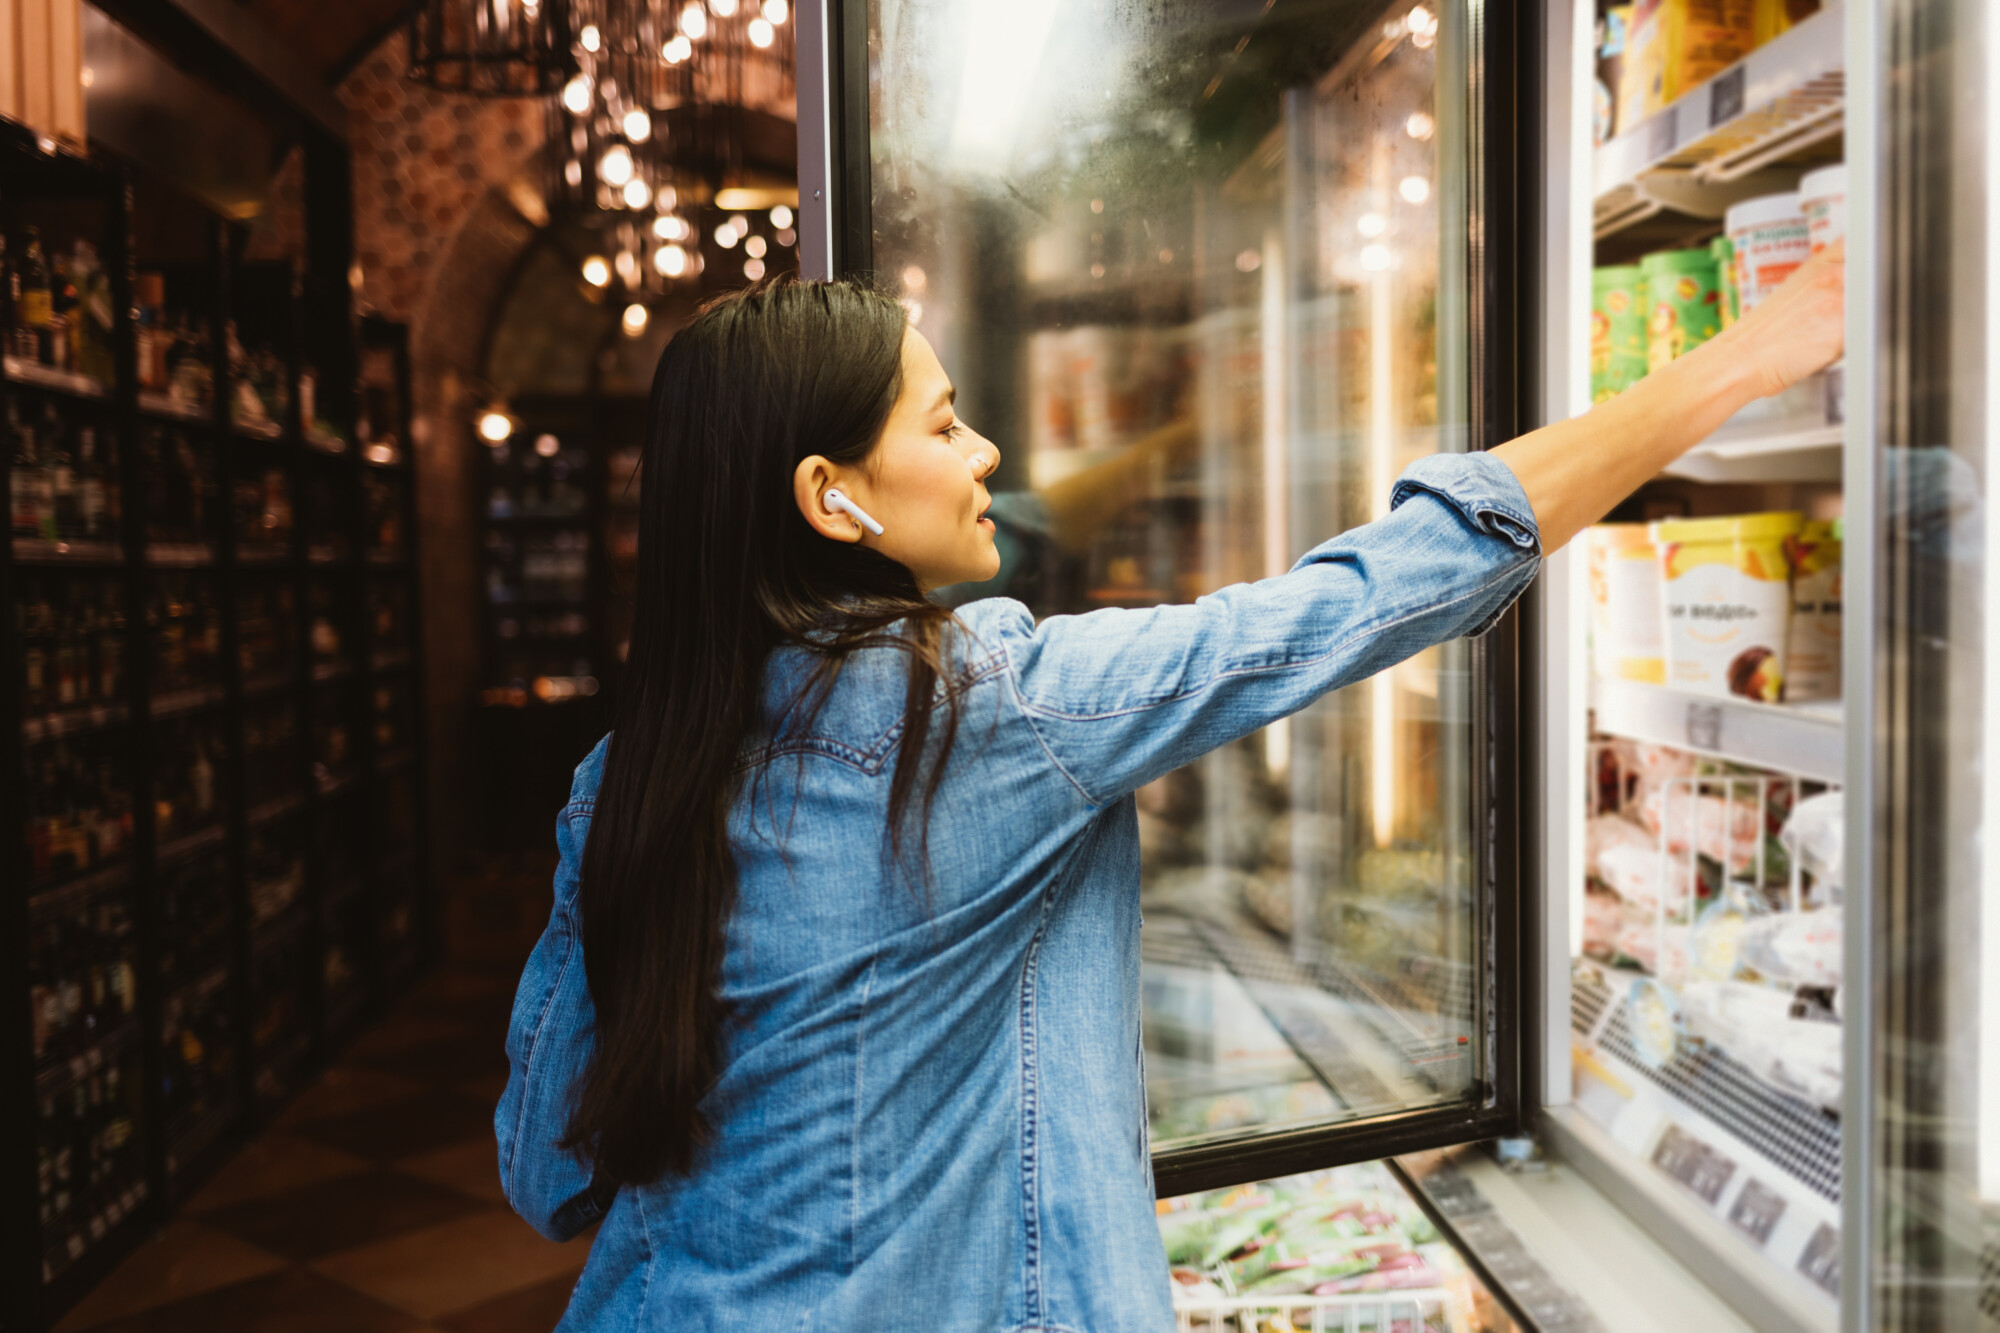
x: 728, y: 571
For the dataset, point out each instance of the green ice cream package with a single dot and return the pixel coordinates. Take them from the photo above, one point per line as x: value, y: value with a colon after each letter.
x: 1683, y: 303
x: 1617, y: 330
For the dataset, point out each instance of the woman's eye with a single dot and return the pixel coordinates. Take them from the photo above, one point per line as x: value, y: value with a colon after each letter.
x: 953, y: 431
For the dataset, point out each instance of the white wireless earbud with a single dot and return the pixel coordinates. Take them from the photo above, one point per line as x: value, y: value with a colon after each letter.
x: 835, y: 500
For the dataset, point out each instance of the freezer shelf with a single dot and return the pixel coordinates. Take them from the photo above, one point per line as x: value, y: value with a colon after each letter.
x: 1699, y: 154
x: 1797, y: 738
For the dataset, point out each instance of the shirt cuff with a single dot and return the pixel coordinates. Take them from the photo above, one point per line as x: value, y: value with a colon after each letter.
x: 1479, y: 486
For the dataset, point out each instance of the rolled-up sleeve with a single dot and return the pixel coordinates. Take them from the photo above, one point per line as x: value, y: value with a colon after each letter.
x: 1120, y: 697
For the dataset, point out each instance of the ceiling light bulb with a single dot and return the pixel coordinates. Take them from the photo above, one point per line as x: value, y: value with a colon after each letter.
x: 671, y: 260
x: 1418, y: 126
x: 740, y: 223
x: 615, y: 167
x: 1371, y: 224
x: 787, y: 237
x: 754, y: 247
x: 665, y: 198
x: 677, y: 49
x: 777, y: 10
x: 762, y: 34
x: 1415, y: 189
x: 663, y: 227
x: 781, y: 217
x: 638, y: 125
x: 694, y: 22
x: 596, y: 271
x: 1375, y: 258
x: 637, y: 193
x: 725, y: 236
x: 753, y: 269
x: 633, y: 320
x: 590, y: 37
x: 1421, y: 20
x: 723, y: 8
x: 548, y: 446
x: 573, y: 173
x: 576, y: 95
x: 495, y: 425
x: 628, y: 266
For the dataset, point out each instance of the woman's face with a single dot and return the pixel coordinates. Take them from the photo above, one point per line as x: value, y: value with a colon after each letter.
x: 924, y: 482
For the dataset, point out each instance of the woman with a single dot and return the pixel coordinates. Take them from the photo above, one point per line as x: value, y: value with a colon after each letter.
x: 835, y: 1023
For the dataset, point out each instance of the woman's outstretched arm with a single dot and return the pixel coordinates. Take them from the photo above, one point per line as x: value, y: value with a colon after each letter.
x: 1575, y: 471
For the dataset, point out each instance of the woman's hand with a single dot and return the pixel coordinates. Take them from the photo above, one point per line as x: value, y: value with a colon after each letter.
x: 1574, y: 471
x: 1796, y: 331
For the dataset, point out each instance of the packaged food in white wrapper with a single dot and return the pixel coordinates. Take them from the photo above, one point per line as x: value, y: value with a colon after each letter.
x: 1794, y: 948
x: 1754, y: 1025
x: 1816, y: 836
x: 1626, y: 859
x: 1614, y: 931
x: 1722, y: 830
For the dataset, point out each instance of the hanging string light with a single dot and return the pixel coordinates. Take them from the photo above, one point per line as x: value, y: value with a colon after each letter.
x: 492, y: 48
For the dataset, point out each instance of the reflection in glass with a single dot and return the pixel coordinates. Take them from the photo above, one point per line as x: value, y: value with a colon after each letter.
x: 1200, y: 277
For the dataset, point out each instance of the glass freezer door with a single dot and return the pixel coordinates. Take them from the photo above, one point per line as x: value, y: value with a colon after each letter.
x: 1203, y: 271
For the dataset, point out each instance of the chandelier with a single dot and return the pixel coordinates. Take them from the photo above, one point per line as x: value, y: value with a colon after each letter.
x: 492, y: 48
x: 650, y: 129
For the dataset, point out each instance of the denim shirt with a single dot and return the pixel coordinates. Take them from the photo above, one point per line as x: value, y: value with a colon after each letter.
x: 931, y: 1112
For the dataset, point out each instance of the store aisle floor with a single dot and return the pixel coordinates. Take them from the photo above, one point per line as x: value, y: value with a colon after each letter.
x: 372, y: 1203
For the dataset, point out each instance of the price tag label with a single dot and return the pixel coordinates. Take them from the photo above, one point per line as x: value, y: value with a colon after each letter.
x: 1821, y: 1260
x: 1725, y: 96
x: 1704, y: 727
x: 1693, y: 1163
x: 1757, y: 1210
x: 1663, y: 133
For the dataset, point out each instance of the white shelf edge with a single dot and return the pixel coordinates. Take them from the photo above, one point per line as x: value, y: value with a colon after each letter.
x: 1805, y: 739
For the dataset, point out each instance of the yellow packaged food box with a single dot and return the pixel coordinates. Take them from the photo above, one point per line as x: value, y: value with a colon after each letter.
x: 1726, y: 592
x: 1676, y: 44
x: 1774, y: 18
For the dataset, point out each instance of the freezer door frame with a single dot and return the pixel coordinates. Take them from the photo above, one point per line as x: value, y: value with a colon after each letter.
x: 1503, y: 268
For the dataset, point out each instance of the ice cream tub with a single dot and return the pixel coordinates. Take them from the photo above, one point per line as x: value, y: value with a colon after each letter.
x: 1770, y: 239
x: 1729, y: 304
x: 1812, y: 648
x: 1683, y: 303
x: 1617, y: 330
x: 1823, y: 204
x: 1726, y: 592
x: 1625, y: 612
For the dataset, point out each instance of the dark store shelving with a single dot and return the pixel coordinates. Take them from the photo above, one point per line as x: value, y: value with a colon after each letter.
x: 215, y: 726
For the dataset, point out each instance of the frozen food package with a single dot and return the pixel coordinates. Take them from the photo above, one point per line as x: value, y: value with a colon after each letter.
x: 1770, y: 239
x: 1823, y: 201
x: 1603, y: 918
x: 1639, y: 937
x: 1655, y: 1018
x: 1655, y: 764
x: 1815, y: 835
x: 1812, y: 652
x: 1755, y: 1027
x: 1626, y: 859
x: 1683, y: 303
x: 1676, y: 44
x: 1775, y: 18
x: 1717, y: 939
x: 1728, y: 602
x: 1724, y: 830
x: 1625, y: 604
x: 1613, y: 26
x: 1617, y: 330
x: 1794, y: 948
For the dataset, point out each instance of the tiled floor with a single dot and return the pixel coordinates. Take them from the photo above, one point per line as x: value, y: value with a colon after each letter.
x: 373, y: 1204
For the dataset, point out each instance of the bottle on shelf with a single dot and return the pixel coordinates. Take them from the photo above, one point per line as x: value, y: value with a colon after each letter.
x: 150, y: 336
x: 88, y: 291
x: 80, y: 809
x: 80, y: 975
x: 34, y: 303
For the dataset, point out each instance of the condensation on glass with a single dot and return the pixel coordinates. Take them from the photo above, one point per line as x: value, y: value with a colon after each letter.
x: 1199, y: 273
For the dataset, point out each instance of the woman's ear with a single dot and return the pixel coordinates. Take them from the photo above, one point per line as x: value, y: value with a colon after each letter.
x: 811, y: 480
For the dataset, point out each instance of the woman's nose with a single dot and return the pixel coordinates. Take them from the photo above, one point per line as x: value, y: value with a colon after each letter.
x: 983, y: 459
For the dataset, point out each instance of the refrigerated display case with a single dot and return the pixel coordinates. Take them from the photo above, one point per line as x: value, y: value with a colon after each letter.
x: 1676, y: 878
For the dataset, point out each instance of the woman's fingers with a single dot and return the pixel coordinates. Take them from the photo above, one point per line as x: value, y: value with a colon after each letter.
x: 1799, y: 329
